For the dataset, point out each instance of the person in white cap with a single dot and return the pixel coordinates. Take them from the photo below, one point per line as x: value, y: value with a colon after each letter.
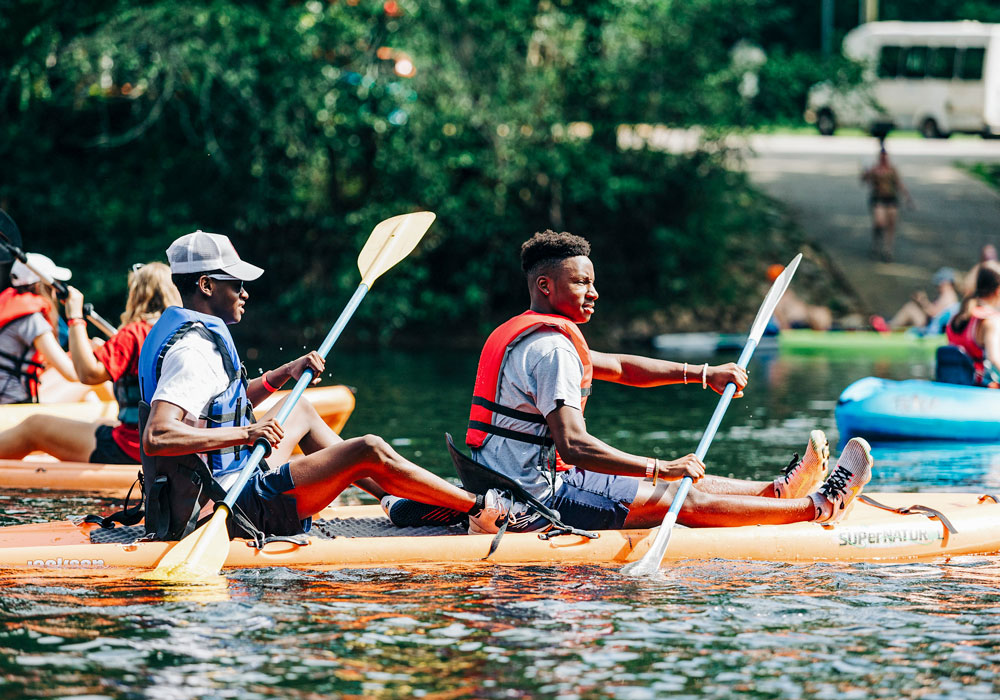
x: 200, y: 424
x: 27, y: 331
x: 150, y: 291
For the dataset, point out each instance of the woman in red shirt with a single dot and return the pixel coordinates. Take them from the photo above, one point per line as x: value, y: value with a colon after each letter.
x: 150, y: 291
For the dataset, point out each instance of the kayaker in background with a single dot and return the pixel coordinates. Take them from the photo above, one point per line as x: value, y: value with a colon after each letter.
x: 201, y: 426
x: 986, y: 253
x: 976, y: 327
x: 793, y: 312
x: 150, y: 291
x: 920, y: 312
x: 885, y: 187
x: 27, y: 331
x: 532, y: 384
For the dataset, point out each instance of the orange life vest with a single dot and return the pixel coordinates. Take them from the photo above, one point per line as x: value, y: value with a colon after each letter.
x: 15, y: 305
x: 491, y: 361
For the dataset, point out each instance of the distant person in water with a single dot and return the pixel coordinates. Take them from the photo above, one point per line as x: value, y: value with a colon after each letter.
x: 885, y: 188
x: 793, y: 312
x: 976, y: 326
x: 921, y: 312
x: 987, y: 252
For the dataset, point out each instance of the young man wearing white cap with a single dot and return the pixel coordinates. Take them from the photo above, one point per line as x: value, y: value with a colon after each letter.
x: 27, y: 339
x: 200, y: 426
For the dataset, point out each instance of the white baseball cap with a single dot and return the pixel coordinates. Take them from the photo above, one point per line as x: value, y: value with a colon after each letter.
x: 21, y: 275
x: 203, y: 252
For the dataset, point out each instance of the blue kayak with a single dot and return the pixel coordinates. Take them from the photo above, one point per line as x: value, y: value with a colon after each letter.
x: 916, y: 409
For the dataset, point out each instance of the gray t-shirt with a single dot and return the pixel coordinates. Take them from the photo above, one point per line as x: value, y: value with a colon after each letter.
x: 15, y: 340
x: 540, y: 373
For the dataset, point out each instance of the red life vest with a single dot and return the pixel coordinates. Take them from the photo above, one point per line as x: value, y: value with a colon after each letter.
x: 14, y: 305
x: 967, y: 338
x: 491, y: 362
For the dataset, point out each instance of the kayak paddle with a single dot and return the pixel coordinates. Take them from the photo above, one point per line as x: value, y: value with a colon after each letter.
x: 202, y: 553
x: 60, y: 286
x: 650, y: 562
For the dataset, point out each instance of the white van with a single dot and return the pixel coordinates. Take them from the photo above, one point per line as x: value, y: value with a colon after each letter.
x: 936, y: 77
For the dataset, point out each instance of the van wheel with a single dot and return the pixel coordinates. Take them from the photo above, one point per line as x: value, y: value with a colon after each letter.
x: 929, y: 130
x: 826, y: 122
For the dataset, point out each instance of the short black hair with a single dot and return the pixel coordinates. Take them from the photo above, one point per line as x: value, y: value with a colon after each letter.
x: 547, y: 247
x: 187, y: 283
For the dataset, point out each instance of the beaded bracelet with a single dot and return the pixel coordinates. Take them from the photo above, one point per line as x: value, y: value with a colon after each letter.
x: 685, y: 373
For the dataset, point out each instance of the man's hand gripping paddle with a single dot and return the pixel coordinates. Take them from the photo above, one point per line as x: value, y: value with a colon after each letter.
x: 201, y: 554
x: 88, y: 310
x: 650, y: 562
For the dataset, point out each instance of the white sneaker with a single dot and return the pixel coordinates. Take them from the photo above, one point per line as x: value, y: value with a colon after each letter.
x: 800, y: 479
x: 837, y: 494
x: 496, y: 509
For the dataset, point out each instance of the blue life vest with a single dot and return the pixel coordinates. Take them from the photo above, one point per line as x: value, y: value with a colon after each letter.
x: 227, y: 409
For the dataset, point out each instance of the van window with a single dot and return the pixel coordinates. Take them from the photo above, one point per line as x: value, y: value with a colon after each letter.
x: 971, y: 64
x: 915, y: 62
x: 941, y: 62
x: 888, y: 62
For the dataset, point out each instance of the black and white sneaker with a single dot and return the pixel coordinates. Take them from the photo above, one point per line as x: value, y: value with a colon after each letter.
x: 406, y: 513
x: 854, y: 469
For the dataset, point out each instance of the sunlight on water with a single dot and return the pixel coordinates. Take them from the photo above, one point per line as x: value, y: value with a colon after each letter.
x: 714, y: 629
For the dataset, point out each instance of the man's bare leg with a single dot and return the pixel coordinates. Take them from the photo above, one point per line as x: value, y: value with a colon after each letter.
x: 321, y: 476
x: 706, y: 509
x: 306, y: 428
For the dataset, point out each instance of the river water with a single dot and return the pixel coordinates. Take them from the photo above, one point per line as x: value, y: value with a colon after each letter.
x: 701, y: 629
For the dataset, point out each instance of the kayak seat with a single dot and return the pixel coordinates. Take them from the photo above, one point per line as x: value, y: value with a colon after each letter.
x: 954, y: 366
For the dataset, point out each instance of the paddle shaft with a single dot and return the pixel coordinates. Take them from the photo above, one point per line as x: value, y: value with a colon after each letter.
x: 300, y: 386
x: 709, y: 434
x: 61, y: 290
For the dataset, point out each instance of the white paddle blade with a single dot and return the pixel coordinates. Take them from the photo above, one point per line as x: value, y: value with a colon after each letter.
x: 391, y: 241
x: 651, y: 560
x: 197, y: 557
x: 772, y: 299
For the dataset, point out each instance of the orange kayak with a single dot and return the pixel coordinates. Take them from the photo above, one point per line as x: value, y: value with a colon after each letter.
x: 361, y: 536
x: 334, y: 403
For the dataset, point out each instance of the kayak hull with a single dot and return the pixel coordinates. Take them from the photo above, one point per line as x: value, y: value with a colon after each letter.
x: 866, y: 534
x: 916, y: 409
x: 335, y: 403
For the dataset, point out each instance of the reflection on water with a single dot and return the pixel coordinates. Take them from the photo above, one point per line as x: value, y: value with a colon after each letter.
x: 702, y: 629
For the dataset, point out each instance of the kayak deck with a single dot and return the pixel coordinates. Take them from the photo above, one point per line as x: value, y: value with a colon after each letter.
x: 360, y: 536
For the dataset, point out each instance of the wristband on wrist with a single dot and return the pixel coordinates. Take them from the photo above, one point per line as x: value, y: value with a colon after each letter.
x: 76, y: 321
x: 656, y: 470
x: 650, y: 467
x: 704, y: 376
x: 267, y: 385
x: 685, y: 373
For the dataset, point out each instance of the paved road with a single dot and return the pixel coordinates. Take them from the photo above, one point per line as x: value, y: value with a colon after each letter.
x: 955, y: 214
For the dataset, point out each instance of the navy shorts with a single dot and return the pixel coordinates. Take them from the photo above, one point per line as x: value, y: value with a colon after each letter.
x: 265, y: 502
x: 107, y: 451
x: 593, y: 501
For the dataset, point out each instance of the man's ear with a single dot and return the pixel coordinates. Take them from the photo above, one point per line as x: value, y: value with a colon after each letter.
x: 206, y: 285
x: 544, y: 284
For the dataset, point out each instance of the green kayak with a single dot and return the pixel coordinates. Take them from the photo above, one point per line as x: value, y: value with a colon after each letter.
x: 868, y: 342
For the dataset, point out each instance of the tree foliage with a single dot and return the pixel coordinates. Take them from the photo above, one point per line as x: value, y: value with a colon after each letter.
x: 295, y: 127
